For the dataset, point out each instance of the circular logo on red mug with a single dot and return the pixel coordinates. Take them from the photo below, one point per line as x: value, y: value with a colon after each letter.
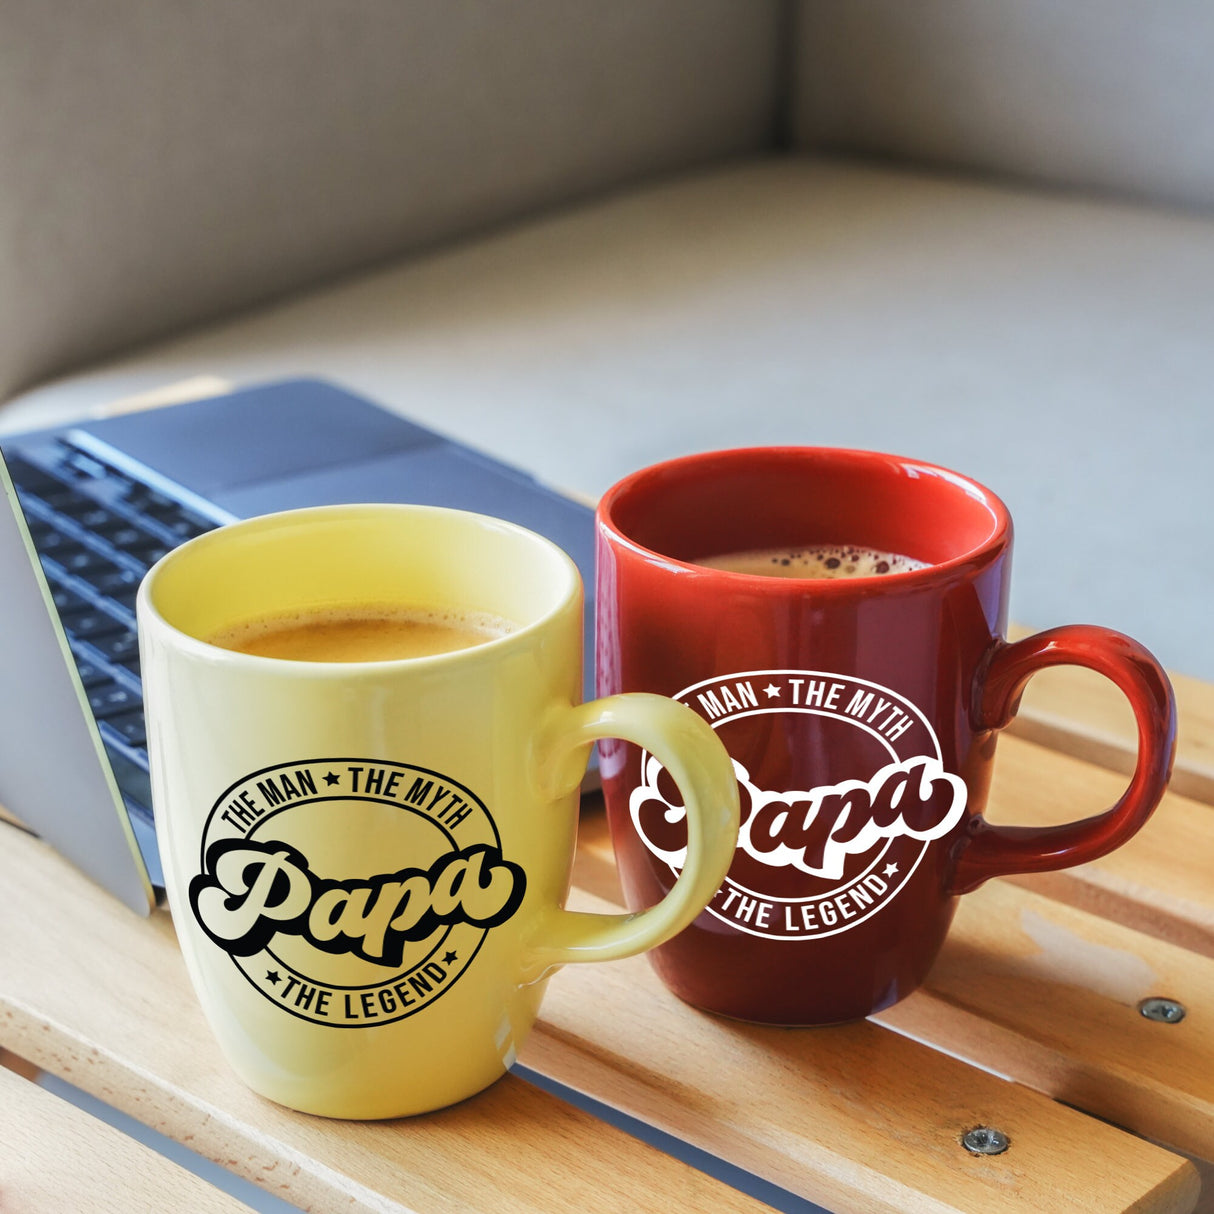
x: 842, y: 786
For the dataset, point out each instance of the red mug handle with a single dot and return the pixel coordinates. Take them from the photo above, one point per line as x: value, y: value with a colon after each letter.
x: 997, y: 851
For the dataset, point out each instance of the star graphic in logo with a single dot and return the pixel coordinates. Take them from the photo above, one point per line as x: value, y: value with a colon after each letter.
x: 332, y: 778
x: 449, y: 957
x: 273, y: 977
x: 772, y: 691
x: 890, y: 870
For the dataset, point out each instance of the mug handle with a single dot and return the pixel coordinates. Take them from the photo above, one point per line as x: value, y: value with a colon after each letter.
x: 997, y: 851
x: 687, y: 747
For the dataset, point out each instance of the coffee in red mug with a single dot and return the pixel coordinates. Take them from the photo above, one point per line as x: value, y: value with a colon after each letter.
x: 851, y: 655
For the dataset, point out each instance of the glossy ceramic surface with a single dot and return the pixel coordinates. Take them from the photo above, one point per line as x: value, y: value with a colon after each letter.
x: 366, y: 862
x: 861, y: 715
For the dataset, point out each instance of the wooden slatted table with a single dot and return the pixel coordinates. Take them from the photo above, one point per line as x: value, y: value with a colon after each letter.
x: 53, y: 1156
x: 1029, y: 1023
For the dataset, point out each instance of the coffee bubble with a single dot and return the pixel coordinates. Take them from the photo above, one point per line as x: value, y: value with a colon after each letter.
x: 815, y: 561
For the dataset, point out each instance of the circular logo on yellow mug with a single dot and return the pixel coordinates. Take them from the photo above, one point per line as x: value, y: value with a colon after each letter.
x: 352, y: 892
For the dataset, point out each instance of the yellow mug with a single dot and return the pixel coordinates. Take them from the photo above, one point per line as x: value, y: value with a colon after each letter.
x: 367, y: 862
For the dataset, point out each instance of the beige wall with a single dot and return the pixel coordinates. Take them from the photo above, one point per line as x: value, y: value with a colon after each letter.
x: 1107, y: 95
x: 163, y: 162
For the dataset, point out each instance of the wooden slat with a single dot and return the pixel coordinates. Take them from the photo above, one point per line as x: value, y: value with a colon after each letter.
x: 1049, y: 995
x: 853, y: 1117
x: 1159, y: 882
x: 97, y: 995
x: 1080, y: 713
x: 1057, y: 1009
x: 55, y: 1157
x: 18, y: 1065
x: 850, y: 1117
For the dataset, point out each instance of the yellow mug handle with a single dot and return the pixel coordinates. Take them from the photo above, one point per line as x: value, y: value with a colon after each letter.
x: 687, y: 747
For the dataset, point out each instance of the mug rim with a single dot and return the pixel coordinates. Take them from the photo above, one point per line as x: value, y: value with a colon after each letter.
x: 998, y: 539
x: 149, y: 615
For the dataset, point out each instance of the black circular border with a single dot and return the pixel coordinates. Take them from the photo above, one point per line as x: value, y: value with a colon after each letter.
x: 218, y: 803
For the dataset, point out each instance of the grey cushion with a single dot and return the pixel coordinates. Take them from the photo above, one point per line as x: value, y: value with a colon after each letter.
x: 1113, y: 95
x: 1057, y: 349
x: 164, y: 163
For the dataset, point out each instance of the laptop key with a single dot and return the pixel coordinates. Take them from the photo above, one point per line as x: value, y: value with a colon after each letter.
x: 125, y: 598
x: 47, y: 541
x: 78, y: 506
x: 80, y: 463
x: 129, y: 728
x: 92, y: 624
x: 184, y: 525
x: 68, y: 603
x: 122, y: 533
x: 31, y: 480
x: 131, y: 775
x: 91, y: 676
x: 151, y: 502
x: 93, y: 517
x: 110, y: 699
x: 114, y: 581
x: 81, y: 561
x: 150, y: 555
x: 30, y: 477
x: 62, y: 498
x: 119, y: 649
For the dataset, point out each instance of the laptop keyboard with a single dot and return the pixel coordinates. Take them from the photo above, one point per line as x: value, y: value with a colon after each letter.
x: 97, y: 530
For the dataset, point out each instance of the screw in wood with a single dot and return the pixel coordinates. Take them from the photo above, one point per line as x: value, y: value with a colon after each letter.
x: 1166, y: 1011
x: 983, y: 1140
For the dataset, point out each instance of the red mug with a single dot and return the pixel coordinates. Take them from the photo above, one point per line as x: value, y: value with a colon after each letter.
x: 861, y: 714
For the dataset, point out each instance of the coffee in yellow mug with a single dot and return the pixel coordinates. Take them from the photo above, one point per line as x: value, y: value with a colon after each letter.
x: 366, y: 749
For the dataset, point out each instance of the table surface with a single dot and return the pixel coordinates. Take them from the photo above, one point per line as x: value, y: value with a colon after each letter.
x: 1028, y: 1023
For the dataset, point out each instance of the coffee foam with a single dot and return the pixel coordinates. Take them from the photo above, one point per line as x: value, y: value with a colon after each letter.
x: 816, y: 561
x: 246, y: 633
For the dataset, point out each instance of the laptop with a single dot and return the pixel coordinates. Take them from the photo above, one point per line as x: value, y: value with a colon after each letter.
x: 88, y: 509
